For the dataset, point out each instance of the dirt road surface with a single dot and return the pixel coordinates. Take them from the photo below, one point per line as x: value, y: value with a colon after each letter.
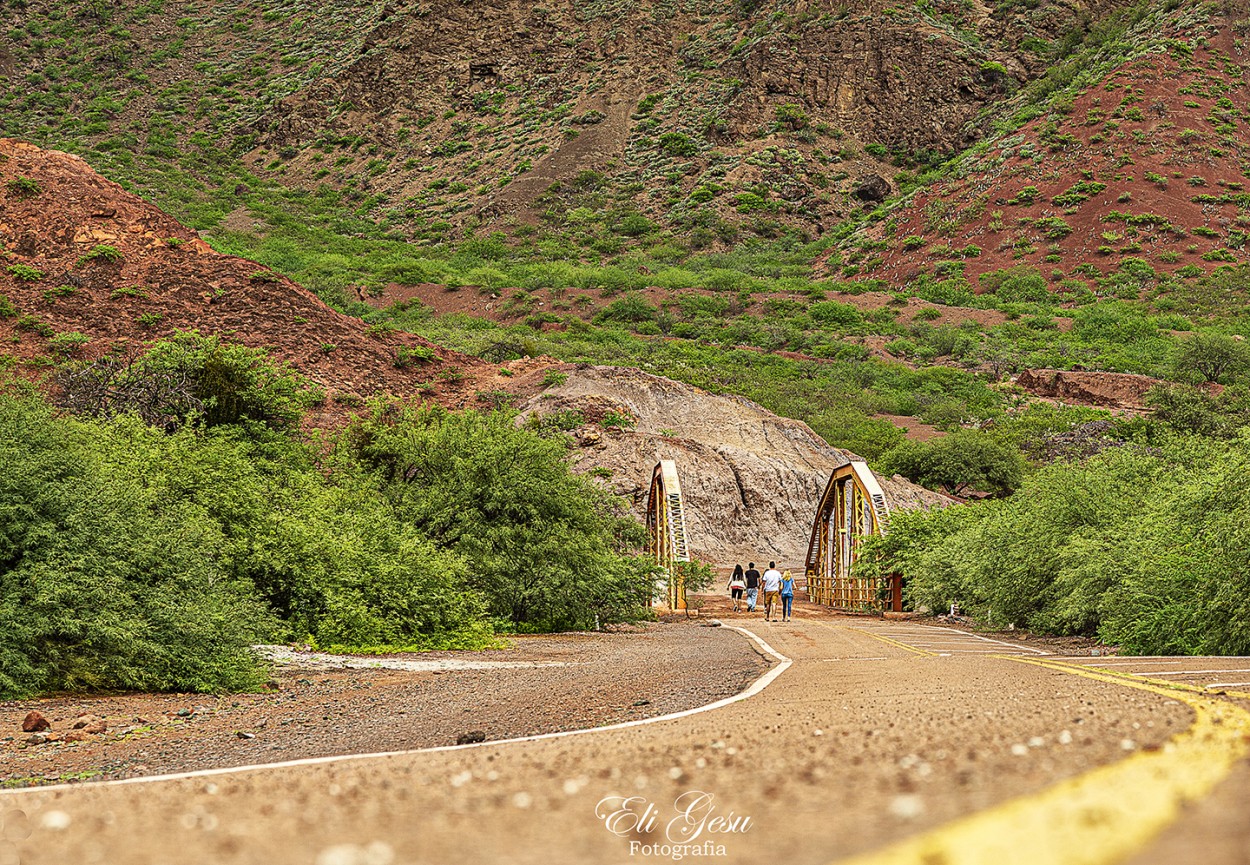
x: 866, y: 740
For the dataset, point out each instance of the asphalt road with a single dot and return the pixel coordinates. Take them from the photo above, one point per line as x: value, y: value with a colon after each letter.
x: 874, y: 741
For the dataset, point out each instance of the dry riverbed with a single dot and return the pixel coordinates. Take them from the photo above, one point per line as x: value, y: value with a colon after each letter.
x: 318, y: 707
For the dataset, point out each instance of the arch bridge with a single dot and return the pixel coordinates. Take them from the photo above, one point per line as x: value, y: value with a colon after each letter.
x: 666, y: 531
x: 853, y: 507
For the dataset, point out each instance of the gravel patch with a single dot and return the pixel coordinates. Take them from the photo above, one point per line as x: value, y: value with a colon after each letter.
x: 322, y: 705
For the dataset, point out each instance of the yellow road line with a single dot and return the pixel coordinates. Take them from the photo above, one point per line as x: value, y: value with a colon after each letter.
x: 895, y: 643
x: 1162, y: 683
x: 1101, y: 816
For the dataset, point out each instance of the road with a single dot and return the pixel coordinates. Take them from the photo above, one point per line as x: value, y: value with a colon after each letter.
x: 867, y: 741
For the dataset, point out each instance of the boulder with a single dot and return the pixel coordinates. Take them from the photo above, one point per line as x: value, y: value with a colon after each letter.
x: 35, y: 722
x: 872, y: 187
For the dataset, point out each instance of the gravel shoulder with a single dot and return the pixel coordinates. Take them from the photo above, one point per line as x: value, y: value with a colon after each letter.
x: 539, y: 684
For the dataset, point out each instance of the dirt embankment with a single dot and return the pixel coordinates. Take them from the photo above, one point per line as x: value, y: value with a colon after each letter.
x: 81, y: 256
x: 1117, y: 390
x: 751, y: 480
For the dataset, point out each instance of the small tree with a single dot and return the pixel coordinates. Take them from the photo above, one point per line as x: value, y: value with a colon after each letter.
x: 1213, y: 356
x: 958, y: 463
x: 693, y: 577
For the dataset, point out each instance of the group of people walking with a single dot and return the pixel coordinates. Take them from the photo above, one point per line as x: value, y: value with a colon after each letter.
x: 778, y: 590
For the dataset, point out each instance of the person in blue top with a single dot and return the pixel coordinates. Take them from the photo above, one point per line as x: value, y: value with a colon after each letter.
x: 787, y: 596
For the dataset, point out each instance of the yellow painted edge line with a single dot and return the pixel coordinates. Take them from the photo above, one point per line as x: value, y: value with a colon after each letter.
x: 895, y: 643
x: 1101, y: 816
x: 1163, y: 683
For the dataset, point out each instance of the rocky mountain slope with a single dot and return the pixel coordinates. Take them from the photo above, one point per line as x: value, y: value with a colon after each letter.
x: 90, y: 269
x: 87, y: 268
x: 1144, y: 167
x: 751, y: 480
x: 725, y: 115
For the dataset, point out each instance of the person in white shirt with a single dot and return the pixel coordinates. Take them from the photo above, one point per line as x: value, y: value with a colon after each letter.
x: 772, y: 590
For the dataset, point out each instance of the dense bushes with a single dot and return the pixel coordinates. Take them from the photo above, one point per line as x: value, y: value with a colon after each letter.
x: 152, y: 557
x: 1147, y: 549
x: 543, y: 545
x: 109, y: 578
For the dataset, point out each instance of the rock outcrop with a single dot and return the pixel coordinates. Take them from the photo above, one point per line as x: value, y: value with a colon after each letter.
x: 751, y: 480
x: 1120, y: 390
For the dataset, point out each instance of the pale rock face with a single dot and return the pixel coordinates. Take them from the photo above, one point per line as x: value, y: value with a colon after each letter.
x: 751, y: 480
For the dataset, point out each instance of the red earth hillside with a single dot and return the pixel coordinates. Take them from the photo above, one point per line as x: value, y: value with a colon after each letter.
x: 80, y: 255
x: 1150, y: 163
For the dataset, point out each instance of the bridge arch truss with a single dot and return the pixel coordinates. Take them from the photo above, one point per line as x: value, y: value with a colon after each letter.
x: 666, y: 531
x: 853, y: 507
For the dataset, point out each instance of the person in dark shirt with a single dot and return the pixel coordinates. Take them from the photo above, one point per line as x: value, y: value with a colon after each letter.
x: 753, y: 586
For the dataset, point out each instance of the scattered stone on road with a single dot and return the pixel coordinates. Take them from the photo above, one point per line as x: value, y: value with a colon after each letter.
x: 540, y: 684
x: 909, y: 740
x: 34, y: 722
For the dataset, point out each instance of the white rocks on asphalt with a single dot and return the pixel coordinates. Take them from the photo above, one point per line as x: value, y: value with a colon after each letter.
x: 321, y: 661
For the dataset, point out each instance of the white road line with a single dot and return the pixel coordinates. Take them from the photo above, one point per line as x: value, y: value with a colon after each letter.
x: 1139, y: 661
x: 966, y: 635
x: 1190, y: 672
x: 1228, y: 685
x: 1165, y: 659
x: 755, y: 688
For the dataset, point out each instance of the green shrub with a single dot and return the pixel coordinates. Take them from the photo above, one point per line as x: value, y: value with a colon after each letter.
x: 32, y: 324
x: 111, y: 578
x: 406, y: 356
x: 1027, y: 195
x: 1214, y: 357
x: 547, y: 548
x: 958, y: 463
x: 678, y: 144
x: 554, y: 378
x: 1053, y: 227
x: 192, y: 376
x: 60, y: 291
x: 25, y: 272
x: 68, y: 343
x: 1020, y: 284
x: 835, y: 314
x: 1148, y: 551
x: 23, y: 187
x: 631, y: 308
x: 101, y: 252
x: 792, y: 115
